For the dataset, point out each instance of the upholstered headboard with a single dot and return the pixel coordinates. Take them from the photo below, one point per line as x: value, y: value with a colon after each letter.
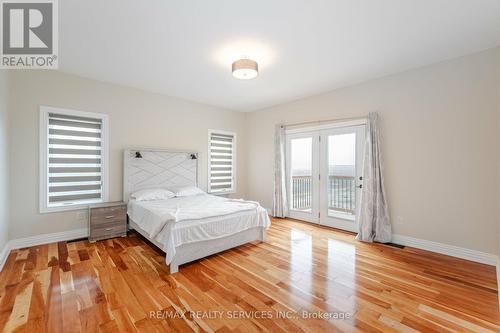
x: 146, y: 168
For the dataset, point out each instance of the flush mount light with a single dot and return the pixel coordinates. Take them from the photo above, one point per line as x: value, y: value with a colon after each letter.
x: 245, y: 69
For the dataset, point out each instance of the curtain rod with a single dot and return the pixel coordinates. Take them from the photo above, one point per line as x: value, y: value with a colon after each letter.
x: 336, y: 120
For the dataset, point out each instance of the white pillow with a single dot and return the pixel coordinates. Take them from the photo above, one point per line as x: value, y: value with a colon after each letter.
x: 187, y: 191
x: 152, y: 194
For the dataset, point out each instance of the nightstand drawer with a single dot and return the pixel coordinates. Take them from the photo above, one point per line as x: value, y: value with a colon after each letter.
x: 107, y: 231
x: 100, y: 216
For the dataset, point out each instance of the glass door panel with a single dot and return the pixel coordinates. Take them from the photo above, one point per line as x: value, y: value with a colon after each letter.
x: 341, y: 163
x: 341, y: 180
x: 302, y: 175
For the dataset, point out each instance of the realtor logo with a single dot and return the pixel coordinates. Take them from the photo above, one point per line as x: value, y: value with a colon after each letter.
x: 29, y: 34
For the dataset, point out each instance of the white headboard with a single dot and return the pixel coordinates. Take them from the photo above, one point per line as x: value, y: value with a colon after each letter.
x: 158, y: 168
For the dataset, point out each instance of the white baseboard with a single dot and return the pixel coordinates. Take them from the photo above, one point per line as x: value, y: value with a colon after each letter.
x: 39, y: 240
x: 450, y: 250
x: 498, y: 278
x: 3, y: 255
x: 48, y: 238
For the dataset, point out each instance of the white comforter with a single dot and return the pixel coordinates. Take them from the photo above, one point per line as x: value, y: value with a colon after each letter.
x: 183, y: 220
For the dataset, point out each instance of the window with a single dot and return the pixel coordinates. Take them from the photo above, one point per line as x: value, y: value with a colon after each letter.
x: 221, y: 162
x: 73, y: 159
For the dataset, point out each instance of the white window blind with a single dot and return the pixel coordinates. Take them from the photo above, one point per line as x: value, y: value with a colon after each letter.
x: 74, y: 160
x: 221, y: 161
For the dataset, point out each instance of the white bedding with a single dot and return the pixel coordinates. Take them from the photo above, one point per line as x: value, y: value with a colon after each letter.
x: 183, y: 220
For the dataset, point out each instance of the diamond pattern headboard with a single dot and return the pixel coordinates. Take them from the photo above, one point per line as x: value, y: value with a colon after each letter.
x: 157, y: 168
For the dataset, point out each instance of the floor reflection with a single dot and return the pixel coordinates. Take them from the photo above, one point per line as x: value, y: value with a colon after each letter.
x: 341, y: 274
x: 333, y: 283
x: 301, y: 259
x: 341, y: 259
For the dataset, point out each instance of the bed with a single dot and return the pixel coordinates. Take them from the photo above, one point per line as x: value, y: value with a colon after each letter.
x: 190, y: 227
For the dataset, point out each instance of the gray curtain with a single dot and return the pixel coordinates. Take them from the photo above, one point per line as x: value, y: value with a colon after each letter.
x: 374, y: 222
x: 280, y: 202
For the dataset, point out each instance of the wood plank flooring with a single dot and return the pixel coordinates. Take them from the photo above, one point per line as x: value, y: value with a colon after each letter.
x: 304, y: 278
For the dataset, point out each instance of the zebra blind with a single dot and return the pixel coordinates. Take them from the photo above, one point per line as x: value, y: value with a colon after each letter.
x: 221, y: 162
x: 74, y: 157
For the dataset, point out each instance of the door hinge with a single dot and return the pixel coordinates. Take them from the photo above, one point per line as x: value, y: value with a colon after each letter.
x: 319, y: 176
x: 319, y: 215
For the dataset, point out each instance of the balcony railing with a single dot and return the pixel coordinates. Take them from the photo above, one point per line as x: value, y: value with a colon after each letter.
x: 341, y: 193
x: 301, y: 192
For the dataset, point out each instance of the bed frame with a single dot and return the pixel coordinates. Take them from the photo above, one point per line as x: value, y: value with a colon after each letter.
x: 194, y: 251
x: 146, y: 168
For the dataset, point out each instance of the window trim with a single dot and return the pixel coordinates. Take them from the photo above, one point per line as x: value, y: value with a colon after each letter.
x: 43, y: 156
x: 209, y: 162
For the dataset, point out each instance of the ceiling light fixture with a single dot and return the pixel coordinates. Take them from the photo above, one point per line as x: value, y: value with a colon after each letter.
x: 245, y: 69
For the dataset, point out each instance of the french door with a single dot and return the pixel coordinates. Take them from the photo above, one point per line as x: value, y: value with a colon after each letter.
x: 324, y: 169
x: 302, y: 152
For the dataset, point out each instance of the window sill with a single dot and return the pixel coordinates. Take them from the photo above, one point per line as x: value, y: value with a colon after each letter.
x: 222, y: 193
x: 48, y: 210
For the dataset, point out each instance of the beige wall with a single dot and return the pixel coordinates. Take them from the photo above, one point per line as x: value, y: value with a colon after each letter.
x: 4, y: 155
x: 497, y: 149
x: 137, y: 119
x: 440, y: 135
x: 498, y: 182
x: 440, y: 142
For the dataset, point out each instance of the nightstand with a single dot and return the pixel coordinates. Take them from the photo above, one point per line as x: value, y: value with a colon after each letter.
x: 107, y: 220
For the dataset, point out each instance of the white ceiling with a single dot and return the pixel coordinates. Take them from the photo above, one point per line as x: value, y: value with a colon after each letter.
x: 184, y: 48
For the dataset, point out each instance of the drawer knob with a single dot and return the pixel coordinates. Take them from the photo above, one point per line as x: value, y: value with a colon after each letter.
x: 109, y: 217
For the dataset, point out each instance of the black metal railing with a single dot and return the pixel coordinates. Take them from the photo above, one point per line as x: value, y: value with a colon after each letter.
x: 341, y: 193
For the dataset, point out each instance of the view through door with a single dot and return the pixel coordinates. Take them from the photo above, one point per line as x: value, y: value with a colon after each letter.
x: 302, y: 174
x: 324, y: 170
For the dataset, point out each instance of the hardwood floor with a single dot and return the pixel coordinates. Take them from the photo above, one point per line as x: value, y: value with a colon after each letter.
x: 302, y: 270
